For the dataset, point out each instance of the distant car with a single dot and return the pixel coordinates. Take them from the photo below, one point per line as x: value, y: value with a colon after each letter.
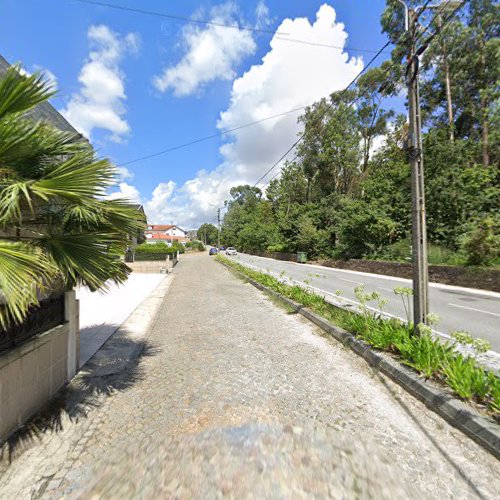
x: 213, y: 251
x: 223, y: 248
x: 231, y: 251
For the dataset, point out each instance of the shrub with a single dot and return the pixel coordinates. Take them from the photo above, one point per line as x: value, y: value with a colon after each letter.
x: 278, y: 247
x: 465, y: 378
x: 425, y: 354
x: 482, y: 245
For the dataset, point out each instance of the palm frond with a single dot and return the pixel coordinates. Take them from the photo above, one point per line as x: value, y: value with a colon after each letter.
x: 78, y: 176
x: 12, y: 199
x: 24, y: 272
x: 26, y: 148
x: 89, y: 258
x: 19, y: 93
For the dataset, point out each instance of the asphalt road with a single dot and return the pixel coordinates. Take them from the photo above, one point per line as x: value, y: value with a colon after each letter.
x: 475, y: 311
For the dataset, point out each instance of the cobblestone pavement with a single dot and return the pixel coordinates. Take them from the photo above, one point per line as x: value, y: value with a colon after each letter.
x: 238, y: 398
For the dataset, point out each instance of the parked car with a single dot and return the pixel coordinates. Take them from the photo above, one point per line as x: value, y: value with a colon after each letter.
x: 213, y: 251
x: 231, y: 251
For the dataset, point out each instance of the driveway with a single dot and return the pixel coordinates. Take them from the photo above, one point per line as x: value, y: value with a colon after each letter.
x: 101, y: 313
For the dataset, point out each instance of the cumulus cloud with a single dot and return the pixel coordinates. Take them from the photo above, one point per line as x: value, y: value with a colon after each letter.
x: 99, y: 102
x: 125, y: 191
x: 212, y: 53
x: 289, y: 76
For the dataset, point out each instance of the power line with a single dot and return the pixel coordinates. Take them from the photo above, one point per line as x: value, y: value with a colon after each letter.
x: 325, y: 111
x: 325, y: 45
x: 446, y: 20
x: 177, y: 18
x: 427, y: 42
x: 221, y: 25
x: 208, y: 137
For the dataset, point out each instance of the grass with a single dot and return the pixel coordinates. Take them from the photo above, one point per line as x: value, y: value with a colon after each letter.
x: 430, y: 358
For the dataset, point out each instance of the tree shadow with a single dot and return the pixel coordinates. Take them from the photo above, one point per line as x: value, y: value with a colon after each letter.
x: 116, y: 367
x: 429, y: 436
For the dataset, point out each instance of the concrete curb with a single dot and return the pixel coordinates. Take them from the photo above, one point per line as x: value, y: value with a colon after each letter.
x: 483, y: 431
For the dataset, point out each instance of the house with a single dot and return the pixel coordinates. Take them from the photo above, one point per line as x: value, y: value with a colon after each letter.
x: 166, y: 233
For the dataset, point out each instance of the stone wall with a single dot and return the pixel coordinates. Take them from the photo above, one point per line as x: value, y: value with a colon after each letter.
x: 151, y: 266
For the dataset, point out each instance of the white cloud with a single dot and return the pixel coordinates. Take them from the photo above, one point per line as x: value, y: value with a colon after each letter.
x: 125, y: 191
x: 124, y: 173
x: 289, y: 76
x: 262, y: 15
x: 48, y: 75
x: 99, y: 102
x: 212, y: 53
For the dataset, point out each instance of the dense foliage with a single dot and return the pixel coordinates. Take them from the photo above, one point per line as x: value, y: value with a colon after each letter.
x: 157, y: 251
x: 56, y: 227
x: 342, y: 197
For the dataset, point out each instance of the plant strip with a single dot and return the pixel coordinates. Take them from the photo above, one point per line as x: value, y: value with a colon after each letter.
x: 430, y: 358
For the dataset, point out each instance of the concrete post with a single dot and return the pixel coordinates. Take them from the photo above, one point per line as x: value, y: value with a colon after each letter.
x: 71, y: 315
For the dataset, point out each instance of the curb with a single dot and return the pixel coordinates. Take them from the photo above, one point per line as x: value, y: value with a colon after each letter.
x: 482, y: 430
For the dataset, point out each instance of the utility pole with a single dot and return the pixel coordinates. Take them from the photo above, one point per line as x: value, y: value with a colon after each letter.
x: 415, y: 154
x: 218, y: 223
x: 218, y: 234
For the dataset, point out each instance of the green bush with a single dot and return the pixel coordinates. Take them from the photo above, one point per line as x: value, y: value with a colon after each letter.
x: 156, y: 251
x: 482, y: 244
x: 278, y: 247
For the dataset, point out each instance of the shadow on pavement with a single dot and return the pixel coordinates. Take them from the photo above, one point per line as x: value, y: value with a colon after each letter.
x: 431, y: 439
x: 115, y: 367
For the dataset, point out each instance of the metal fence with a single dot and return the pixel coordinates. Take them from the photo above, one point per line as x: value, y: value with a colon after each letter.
x: 47, y: 315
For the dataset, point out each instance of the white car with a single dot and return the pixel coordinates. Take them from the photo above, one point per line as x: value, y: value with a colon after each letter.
x: 231, y: 251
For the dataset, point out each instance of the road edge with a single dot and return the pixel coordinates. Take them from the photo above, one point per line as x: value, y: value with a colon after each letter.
x: 483, y: 431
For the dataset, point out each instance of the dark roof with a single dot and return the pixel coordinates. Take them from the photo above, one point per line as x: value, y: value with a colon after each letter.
x: 43, y: 111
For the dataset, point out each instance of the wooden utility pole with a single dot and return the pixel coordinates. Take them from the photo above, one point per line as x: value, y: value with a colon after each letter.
x: 415, y: 154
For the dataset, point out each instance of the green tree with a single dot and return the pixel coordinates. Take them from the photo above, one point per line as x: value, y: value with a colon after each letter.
x: 56, y: 230
x: 208, y: 233
x: 330, y: 150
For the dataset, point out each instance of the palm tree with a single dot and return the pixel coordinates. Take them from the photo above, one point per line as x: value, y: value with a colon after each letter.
x: 56, y: 227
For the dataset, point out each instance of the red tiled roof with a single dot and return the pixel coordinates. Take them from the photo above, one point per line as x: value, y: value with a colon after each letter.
x: 160, y: 236
x: 160, y: 227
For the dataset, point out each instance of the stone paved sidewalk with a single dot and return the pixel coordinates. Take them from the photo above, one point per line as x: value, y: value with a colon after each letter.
x: 236, y: 397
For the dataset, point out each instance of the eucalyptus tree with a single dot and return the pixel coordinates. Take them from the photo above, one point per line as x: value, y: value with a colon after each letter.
x: 56, y: 227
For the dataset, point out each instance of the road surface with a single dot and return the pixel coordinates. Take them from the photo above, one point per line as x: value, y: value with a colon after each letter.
x: 237, y: 398
x: 475, y: 311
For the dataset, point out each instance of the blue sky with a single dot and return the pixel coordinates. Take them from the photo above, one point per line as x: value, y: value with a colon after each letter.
x: 138, y: 84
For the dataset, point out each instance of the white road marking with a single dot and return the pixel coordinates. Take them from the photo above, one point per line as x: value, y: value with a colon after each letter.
x: 387, y: 289
x: 474, y: 309
x: 350, y: 281
x: 442, y: 286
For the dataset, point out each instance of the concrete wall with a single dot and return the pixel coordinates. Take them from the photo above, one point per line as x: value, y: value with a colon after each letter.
x: 31, y: 374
